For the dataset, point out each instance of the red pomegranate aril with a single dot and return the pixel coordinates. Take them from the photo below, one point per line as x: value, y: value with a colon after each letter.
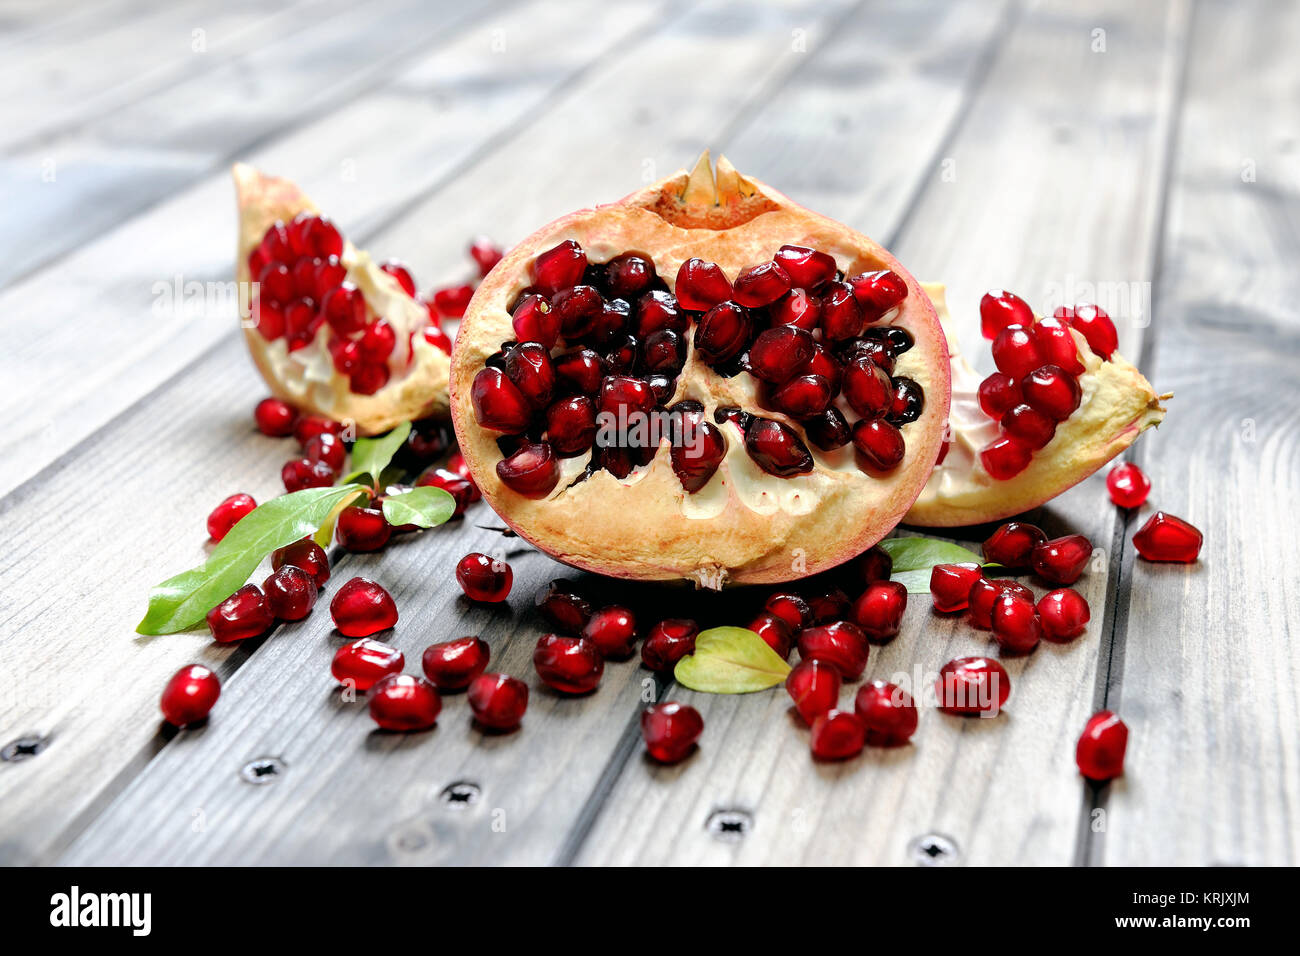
x: 662, y: 351
x: 452, y: 301
x: 798, y: 308
x: 696, y: 451
x: 701, y: 285
x: 378, y: 341
x: 1097, y: 327
x: 1061, y: 560
x: 1016, y: 626
x: 189, y: 695
x: 486, y: 254
x: 269, y: 319
x: 1167, y: 538
x: 498, y: 701
x: 275, y: 284
x: 1012, y: 544
x: 344, y: 309
x: 535, y: 321
x: 670, y: 731
x: 562, y: 607
x: 327, y: 448
x: 867, y: 388
x: 814, y: 686
x: 244, y: 614
x: 791, y: 608
x: 275, y: 418
x: 657, y: 310
x: 880, y: 443
x: 761, y: 285
x: 907, y: 402
x: 1063, y: 614
x: 983, y: 594
x: 1057, y: 345
x: 305, y: 554
x: 774, y: 631
x: 828, y: 430
x: 301, y: 322
x: 1015, y: 351
x: 999, y: 394
x: 613, y: 630
x: 435, y: 336
x: 483, y: 578
x: 1100, y: 751
x: 402, y: 274
x: 722, y: 333
x: 362, y: 529
x: 275, y: 244
x: 368, y: 378
x: 825, y: 607
x: 321, y: 237
x: 577, y: 310
x: 824, y: 365
x: 529, y: 368
x: 879, y: 610
x: 777, y: 449
x: 452, y: 665
x: 625, y: 397
x: 999, y: 309
x: 571, y: 425
x: 362, y: 663
x: 404, y: 703
x: 840, y: 644
x: 778, y: 353
x: 950, y: 585
x: 498, y: 403
x: 1029, y: 426
x: 878, y: 292
x: 874, y: 564
x: 1052, y: 391
x: 305, y: 473
x: 628, y: 275
x: 841, y: 314
x: 887, y: 712
x: 361, y: 608
x: 803, y: 396
x: 1128, y: 485
x: 668, y: 642
x: 807, y: 268
x: 560, y: 267
x: 290, y: 593
x: 228, y: 514
x: 303, y: 275
x: 1005, y: 457
x: 582, y: 370
x: 875, y: 351
x: 837, y: 735
x: 572, y: 665
x: 972, y: 686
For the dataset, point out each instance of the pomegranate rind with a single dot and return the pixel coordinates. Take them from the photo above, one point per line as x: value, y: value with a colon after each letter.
x: 1118, y: 405
x: 744, y: 526
x: 306, y: 378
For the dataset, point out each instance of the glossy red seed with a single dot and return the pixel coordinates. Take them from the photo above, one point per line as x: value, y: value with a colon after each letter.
x: 878, y: 292
x: 983, y: 593
x: 791, y: 608
x: 562, y: 607
x: 1128, y: 485
x: 290, y: 593
x: 824, y: 365
x: 327, y: 448
x: 305, y: 473
x: 498, y: 404
x: 798, y: 308
x: 825, y: 607
x: 972, y: 686
x: 778, y: 353
x: 189, y: 695
x: 1052, y: 391
x: 571, y: 665
x: 275, y: 284
x: 461, y: 489
x: 362, y: 663
x: 582, y: 370
x: 662, y: 351
x: 1097, y: 328
x: 701, y: 285
x: 761, y: 285
x: 774, y: 631
x: 668, y: 642
x: 1005, y: 457
x: 657, y: 310
x: 1167, y: 538
x: 244, y: 614
x: 577, y: 310
x: 837, y: 735
x: 887, y: 712
x: 483, y: 578
x: 625, y: 397
x: 404, y: 703
x: 776, y: 449
x: 227, y: 514
x: 803, y: 396
x: 697, y: 449
x: 571, y: 425
x: 867, y: 388
x: 841, y: 315
x: 722, y: 333
x: 452, y: 665
x: 879, y: 610
x: 807, y: 268
x: 362, y: 529
x: 1029, y: 426
x: 344, y: 309
x: 880, y: 443
x: 670, y: 730
x: 402, y: 274
x: 1016, y: 626
x: 1063, y: 614
x: 629, y: 275
x: 875, y: 564
x: 814, y: 686
x: 498, y: 701
x: 1057, y: 344
x: 828, y: 430
x: 1012, y: 544
x: 1061, y: 560
x: 999, y: 308
x: 435, y: 336
x: 1016, y: 352
x: 950, y: 585
x: 368, y: 378
x: 534, y: 320
x: 613, y: 630
x: 268, y: 318
x: 907, y: 402
x: 529, y: 368
x: 377, y: 342
x: 560, y: 267
x: 361, y: 608
x: 452, y: 301
x: 305, y: 554
x: 998, y: 394
x: 840, y: 644
x: 1100, y: 751
x: 274, y: 417
x: 485, y: 253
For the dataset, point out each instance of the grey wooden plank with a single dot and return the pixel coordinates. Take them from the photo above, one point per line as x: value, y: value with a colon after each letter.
x: 1206, y: 667
x: 1058, y: 169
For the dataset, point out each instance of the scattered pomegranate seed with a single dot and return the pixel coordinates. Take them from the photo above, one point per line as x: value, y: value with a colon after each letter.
x: 328, y: 448
x: 791, y: 608
x: 452, y: 301
x: 227, y: 514
x: 1004, y: 458
x: 361, y: 608
x: 452, y: 665
x: 305, y: 554
x: 275, y: 418
x: 1016, y: 626
x: 1012, y: 544
x: 1063, y: 613
x: 189, y: 695
x: 290, y: 592
x: 486, y: 254
x: 402, y: 274
x: 879, y: 610
x: 304, y: 473
x: 404, y: 703
x: 1100, y: 752
x: 874, y: 565
x: 362, y: 663
x: 950, y: 585
x: 984, y: 593
x: 1166, y: 538
x: 670, y: 730
x: 838, y: 735
x: 562, y: 607
x: 668, y: 642
x: 572, y: 665
x: 814, y: 686
x: 483, y: 578
x: 498, y: 701
x: 532, y: 471
x: 998, y: 394
x: 243, y: 615
x: 1128, y: 485
x: 613, y: 630
x: 560, y: 267
x: 971, y: 686
x: 309, y: 426
x: 774, y: 631
x: 887, y: 712
x: 829, y: 606
x: 840, y: 644
x: 1097, y: 328
x: 1000, y: 308
x: 1061, y: 560
x: 362, y: 529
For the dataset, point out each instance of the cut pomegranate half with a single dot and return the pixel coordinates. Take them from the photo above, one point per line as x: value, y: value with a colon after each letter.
x: 1019, y: 438
x: 721, y: 448
x: 332, y: 331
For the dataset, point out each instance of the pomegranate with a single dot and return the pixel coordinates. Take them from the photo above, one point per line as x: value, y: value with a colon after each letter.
x: 362, y: 529
x: 305, y: 554
x: 1100, y: 752
x: 290, y: 592
x: 1012, y: 544
x: 838, y: 735
x: 814, y: 686
x: 1063, y: 614
x: 950, y: 585
x: 879, y: 610
x: 1166, y: 538
x: 498, y: 701
x: 748, y: 401
x: 971, y: 686
x: 404, y: 703
x: 562, y: 607
x: 774, y: 631
x: 244, y: 614
x: 984, y: 594
x: 791, y: 608
x: 1016, y: 626
x: 613, y: 630
x: 887, y: 712
x: 361, y: 608
x: 670, y: 730
x: 668, y: 642
x: 483, y: 578
x: 190, y: 695
x: 841, y: 645
x: 1128, y: 485
x: 572, y: 665
x: 1062, y: 403
x: 227, y: 514
x: 1061, y: 560
x: 330, y: 330
x: 363, y: 663
x: 452, y: 665
x: 275, y: 417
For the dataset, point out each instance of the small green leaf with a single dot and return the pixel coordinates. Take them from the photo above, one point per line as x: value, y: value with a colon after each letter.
x: 424, y: 507
x: 182, y: 602
x: 370, y: 456
x: 916, y: 582
x: 915, y: 554
x: 731, y: 660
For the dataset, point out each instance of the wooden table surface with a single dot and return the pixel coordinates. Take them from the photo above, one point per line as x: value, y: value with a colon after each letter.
x: 1147, y: 150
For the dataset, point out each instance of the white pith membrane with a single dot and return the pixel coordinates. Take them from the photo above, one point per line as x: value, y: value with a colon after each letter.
x: 1118, y: 404
x: 744, y: 525
x: 306, y: 377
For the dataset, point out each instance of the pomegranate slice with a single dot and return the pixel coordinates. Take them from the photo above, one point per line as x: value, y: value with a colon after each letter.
x: 332, y: 331
x: 712, y: 300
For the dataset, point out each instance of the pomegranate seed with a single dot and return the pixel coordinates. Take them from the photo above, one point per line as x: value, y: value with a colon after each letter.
x: 462, y: 490
x: 662, y: 351
x: 532, y: 471
x: 361, y: 608
x: 363, y: 663
x: 822, y: 364
x: 983, y: 593
x: 907, y: 402
x: 402, y: 274
x: 999, y: 309
x: 1016, y: 352
x: 453, y: 665
x: 887, y: 711
x: 486, y: 254
x: 571, y: 425
x: 275, y: 284
x: 613, y: 630
x: 535, y: 321
x: 344, y: 309
x: 305, y: 473
x: 1052, y: 391
x: 1029, y: 426
x: 701, y: 285
x: 798, y: 308
x: 1063, y: 614
x: 368, y: 379
x: 840, y: 644
x: 657, y: 310
x: 1128, y: 485
x: 362, y: 529
x: 269, y: 319
x: 303, y: 274
x: 309, y: 426
x: 970, y: 686
x: 880, y: 443
x: 628, y: 275
x: 814, y: 686
x: 275, y: 418
x: 1062, y: 560
x: 774, y: 631
x: 1056, y: 343
x: 577, y: 310
x: 1096, y: 327
x: 1166, y: 538
x: 668, y: 642
x: 803, y: 396
x: 670, y: 731
x: 404, y: 703
x: 305, y: 554
x: 828, y: 430
x: 275, y: 243
x: 807, y: 268
x: 1100, y: 752
x: 189, y: 696
x: 878, y: 292
x: 227, y: 514
x: 1016, y: 627
x: 378, y: 341
x: 761, y: 285
x: 572, y: 665
x: 841, y: 314
x: 483, y: 578
x: 244, y: 614
x: 875, y: 351
x: 776, y: 449
x: 582, y: 370
x: 322, y: 238
x: 837, y: 735
x: 453, y: 300
x: 529, y: 368
x: 879, y: 610
x: 498, y: 701
x: 346, y: 355
x: 790, y: 608
x: 1012, y: 544
x: 290, y: 593
x: 625, y: 397
x: 829, y: 606
x: 327, y: 448
x: 867, y: 388
x: 562, y: 607
x: 778, y: 353
x: 950, y: 585
x: 999, y: 394
x: 560, y: 267
x: 498, y: 403
x: 874, y: 565
x: 722, y: 333
x: 1004, y: 458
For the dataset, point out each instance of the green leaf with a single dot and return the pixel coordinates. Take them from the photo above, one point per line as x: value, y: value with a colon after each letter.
x: 370, y: 456
x: 731, y: 660
x: 182, y: 602
x: 916, y: 582
x: 915, y: 554
x: 425, y: 507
